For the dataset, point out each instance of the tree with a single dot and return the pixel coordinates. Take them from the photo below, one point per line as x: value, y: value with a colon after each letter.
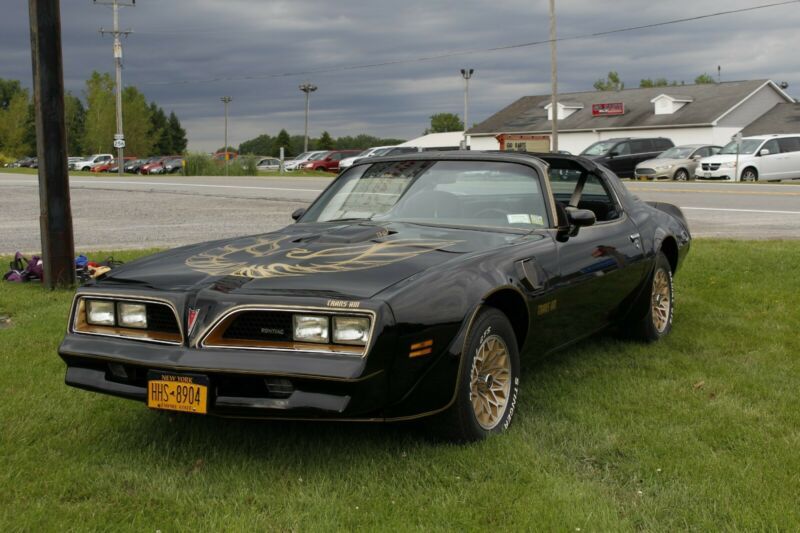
x: 100, y: 113
x: 444, y: 122
x: 159, y: 131
x: 659, y: 82
x: 137, y: 123
x: 8, y: 89
x: 177, y: 135
x: 704, y: 78
x: 325, y: 142
x: 261, y: 145
x: 282, y: 140
x: 75, y: 119
x: 15, y: 124
x: 611, y: 83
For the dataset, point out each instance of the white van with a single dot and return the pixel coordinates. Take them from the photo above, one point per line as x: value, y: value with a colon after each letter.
x: 762, y: 157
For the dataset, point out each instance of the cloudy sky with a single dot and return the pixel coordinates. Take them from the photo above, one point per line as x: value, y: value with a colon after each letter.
x: 185, y: 54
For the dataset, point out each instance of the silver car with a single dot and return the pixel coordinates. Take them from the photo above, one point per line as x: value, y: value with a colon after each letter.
x: 677, y: 163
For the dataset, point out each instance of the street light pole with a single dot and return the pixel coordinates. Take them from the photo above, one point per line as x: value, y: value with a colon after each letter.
x: 307, y: 88
x: 553, y: 77
x: 466, y: 73
x: 226, y: 100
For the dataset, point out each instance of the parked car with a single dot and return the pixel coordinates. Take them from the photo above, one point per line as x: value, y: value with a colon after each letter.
x: 111, y: 166
x: 623, y: 154
x: 412, y: 287
x: 268, y: 163
x: 761, y: 157
x: 678, y: 163
x: 155, y: 165
x: 375, y: 152
x: 173, y: 165
x: 329, y: 162
x: 302, y: 159
x: 89, y: 162
x: 220, y: 156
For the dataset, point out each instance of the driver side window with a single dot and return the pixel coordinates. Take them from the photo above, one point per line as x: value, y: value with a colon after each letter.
x: 594, y: 197
x: 623, y: 149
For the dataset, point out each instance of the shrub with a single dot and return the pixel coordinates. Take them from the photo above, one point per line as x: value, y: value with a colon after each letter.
x: 204, y: 165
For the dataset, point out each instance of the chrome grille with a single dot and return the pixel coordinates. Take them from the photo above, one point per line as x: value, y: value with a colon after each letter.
x: 645, y: 171
x: 710, y: 166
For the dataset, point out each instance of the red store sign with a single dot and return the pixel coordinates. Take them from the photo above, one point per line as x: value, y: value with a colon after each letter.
x: 614, y: 108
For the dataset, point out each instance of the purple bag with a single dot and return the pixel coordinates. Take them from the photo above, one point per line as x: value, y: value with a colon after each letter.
x: 22, y: 269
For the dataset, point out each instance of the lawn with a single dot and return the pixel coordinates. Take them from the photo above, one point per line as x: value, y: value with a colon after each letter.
x: 266, y: 174
x: 700, y: 431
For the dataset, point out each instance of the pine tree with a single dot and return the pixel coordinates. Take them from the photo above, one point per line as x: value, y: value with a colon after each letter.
x: 75, y: 118
x: 176, y: 134
x: 284, y: 140
x: 137, y: 122
x: 325, y: 142
x: 159, y: 130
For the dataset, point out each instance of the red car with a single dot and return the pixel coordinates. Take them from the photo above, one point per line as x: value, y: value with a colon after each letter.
x: 108, y: 165
x: 330, y: 161
x: 155, y: 165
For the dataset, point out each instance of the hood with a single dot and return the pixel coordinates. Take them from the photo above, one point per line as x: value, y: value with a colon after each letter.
x: 661, y: 162
x: 355, y: 259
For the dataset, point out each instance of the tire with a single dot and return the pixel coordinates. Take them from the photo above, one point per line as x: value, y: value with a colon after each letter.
x: 491, y: 346
x: 659, y: 299
x: 681, y: 175
x: 749, y: 174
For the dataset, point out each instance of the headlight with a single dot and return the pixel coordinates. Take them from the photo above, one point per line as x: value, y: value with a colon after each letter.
x: 350, y: 330
x: 728, y: 164
x: 132, y: 315
x: 662, y: 168
x: 311, y: 328
x: 308, y: 165
x: 100, y: 312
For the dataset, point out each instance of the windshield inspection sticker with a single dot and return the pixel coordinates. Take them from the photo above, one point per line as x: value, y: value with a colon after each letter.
x: 537, y: 219
x: 519, y: 218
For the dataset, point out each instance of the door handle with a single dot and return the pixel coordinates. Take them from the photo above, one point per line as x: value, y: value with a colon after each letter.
x: 635, y: 237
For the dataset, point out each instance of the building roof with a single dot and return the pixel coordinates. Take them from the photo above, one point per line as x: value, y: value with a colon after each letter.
x: 708, y: 103
x: 783, y: 118
x: 437, y: 140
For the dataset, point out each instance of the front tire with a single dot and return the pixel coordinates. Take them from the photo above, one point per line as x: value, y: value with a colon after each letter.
x: 488, y: 382
x: 749, y: 174
x: 681, y: 175
x: 657, y: 321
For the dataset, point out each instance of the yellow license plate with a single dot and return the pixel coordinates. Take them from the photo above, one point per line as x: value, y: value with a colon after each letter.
x: 177, y: 392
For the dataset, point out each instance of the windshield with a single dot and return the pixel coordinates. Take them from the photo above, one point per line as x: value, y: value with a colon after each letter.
x: 679, y: 152
x: 747, y: 146
x: 450, y: 193
x: 599, y: 148
x: 317, y: 156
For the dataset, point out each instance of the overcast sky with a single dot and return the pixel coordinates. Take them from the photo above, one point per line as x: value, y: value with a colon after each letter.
x: 177, y: 44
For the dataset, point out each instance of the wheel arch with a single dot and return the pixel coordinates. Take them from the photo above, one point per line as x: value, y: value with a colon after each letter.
x: 669, y: 247
x: 513, y: 305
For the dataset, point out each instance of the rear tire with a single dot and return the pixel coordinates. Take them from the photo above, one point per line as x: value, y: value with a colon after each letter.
x: 659, y: 300
x: 488, y: 382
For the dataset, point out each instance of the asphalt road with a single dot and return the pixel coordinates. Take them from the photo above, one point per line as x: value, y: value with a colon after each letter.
x: 150, y: 211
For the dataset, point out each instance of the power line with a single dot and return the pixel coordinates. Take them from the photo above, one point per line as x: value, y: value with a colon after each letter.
x: 457, y: 53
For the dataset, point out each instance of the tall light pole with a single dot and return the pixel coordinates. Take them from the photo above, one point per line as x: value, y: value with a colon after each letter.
x: 226, y: 100
x: 307, y: 88
x: 119, y: 138
x: 466, y: 73
x: 553, y: 77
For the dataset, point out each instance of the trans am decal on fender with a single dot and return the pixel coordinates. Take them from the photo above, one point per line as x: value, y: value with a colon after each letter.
x: 412, y: 287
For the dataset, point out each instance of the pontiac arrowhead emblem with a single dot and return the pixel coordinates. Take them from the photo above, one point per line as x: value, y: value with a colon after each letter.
x: 192, y: 319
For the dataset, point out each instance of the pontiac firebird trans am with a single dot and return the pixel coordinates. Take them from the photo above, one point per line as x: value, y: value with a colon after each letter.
x: 410, y: 288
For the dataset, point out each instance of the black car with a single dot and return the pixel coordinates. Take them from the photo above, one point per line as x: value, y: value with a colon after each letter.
x: 410, y: 288
x: 622, y: 155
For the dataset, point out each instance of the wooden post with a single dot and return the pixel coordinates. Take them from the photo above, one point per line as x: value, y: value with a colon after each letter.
x: 55, y: 218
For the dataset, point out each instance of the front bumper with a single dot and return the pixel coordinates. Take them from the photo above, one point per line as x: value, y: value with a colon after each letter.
x: 722, y: 173
x: 651, y: 173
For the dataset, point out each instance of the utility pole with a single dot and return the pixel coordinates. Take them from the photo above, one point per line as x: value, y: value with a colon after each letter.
x: 307, y: 88
x: 466, y: 73
x: 119, y: 138
x: 55, y: 213
x: 226, y: 100
x: 553, y: 78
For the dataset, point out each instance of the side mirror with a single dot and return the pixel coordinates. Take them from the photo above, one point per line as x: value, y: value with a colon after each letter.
x: 576, y: 219
x: 697, y: 157
x: 764, y: 151
x: 297, y: 213
x: 612, y: 155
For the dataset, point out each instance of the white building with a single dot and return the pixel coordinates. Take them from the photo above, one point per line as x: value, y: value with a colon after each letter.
x: 450, y: 140
x: 687, y: 114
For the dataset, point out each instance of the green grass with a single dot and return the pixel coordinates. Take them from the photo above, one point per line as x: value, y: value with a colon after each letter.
x: 700, y: 431
x: 266, y: 174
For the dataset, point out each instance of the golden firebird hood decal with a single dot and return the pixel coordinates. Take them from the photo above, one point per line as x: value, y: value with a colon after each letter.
x: 263, y: 257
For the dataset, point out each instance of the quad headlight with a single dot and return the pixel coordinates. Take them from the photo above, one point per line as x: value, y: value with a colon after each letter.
x: 100, y: 312
x: 311, y: 328
x: 131, y: 315
x: 324, y: 329
x: 728, y: 164
x: 350, y: 330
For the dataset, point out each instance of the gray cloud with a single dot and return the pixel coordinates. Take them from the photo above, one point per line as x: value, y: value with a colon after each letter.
x: 178, y: 40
